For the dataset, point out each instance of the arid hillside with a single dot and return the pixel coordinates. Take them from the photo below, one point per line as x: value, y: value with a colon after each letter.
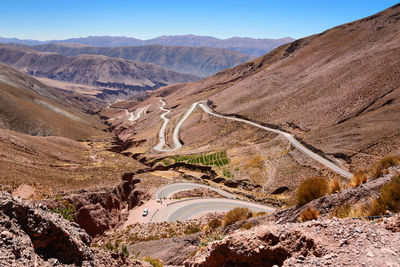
x: 337, y: 91
x: 94, y: 70
x: 198, y: 61
x: 29, y: 106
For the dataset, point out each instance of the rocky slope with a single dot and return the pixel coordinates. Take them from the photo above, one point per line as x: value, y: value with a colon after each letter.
x: 198, y: 61
x: 91, y: 69
x: 32, y: 236
x: 99, y: 210
x: 317, y: 243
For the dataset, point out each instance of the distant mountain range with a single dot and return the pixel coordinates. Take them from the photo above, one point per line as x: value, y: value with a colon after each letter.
x: 94, y: 70
x: 199, y: 61
x: 249, y: 46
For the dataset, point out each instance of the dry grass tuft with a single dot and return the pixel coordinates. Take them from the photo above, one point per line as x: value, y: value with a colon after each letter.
x: 389, y: 161
x: 214, y: 223
x: 237, y: 214
x: 308, y: 214
x: 360, y: 177
x: 310, y: 189
x: 247, y: 225
x: 376, y: 171
x: 380, y: 168
x: 334, y: 185
x: 389, y: 198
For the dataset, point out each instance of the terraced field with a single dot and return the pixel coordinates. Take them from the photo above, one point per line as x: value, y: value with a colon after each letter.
x: 218, y: 159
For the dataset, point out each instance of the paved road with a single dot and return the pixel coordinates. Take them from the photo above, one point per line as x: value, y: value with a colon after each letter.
x: 290, y: 138
x: 206, y: 109
x: 187, y: 209
x: 135, y: 115
x: 170, y: 210
x: 169, y: 190
x: 160, y: 146
x: 175, y: 136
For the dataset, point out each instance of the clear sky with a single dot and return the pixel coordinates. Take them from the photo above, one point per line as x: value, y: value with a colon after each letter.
x: 144, y: 19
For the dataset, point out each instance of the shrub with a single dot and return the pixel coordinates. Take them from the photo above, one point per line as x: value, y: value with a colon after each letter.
x: 214, y: 223
x: 376, y: 208
x: 310, y: 189
x: 237, y: 214
x: 210, y: 238
x: 389, y: 161
x: 376, y: 171
x: 342, y: 211
x: 258, y: 214
x: 247, y: 225
x: 379, y: 168
x: 389, y: 196
x: 125, y: 250
x: 308, y: 214
x: 66, y: 209
x: 154, y: 262
x: 334, y: 185
x: 360, y: 177
x: 192, y: 229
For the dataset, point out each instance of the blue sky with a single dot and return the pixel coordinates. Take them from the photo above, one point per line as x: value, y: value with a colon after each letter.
x: 56, y: 19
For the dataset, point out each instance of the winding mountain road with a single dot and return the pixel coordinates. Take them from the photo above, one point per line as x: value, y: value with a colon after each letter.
x: 187, y: 209
x: 169, y: 190
x: 290, y: 138
x: 287, y: 136
x: 175, y: 136
x: 172, y: 210
x: 135, y: 115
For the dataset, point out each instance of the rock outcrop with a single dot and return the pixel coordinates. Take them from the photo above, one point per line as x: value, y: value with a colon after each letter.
x: 33, y: 236
x: 336, y: 242
x: 99, y: 210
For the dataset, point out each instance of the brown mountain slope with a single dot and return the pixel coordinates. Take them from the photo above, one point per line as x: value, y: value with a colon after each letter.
x: 91, y: 69
x: 338, y: 91
x: 28, y: 106
x: 341, y: 87
x: 199, y: 61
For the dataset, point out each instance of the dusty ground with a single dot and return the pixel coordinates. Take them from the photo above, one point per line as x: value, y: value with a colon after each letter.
x: 53, y: 164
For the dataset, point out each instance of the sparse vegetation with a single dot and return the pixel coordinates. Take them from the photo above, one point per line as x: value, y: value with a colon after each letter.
x: 308, y: 214
x: 334, y: 185
x: 376, y: 170
x: 125, y: 250
x: 389, y: 198
x: 210, y: 238
x: 255, y: 162
x: 389, y: 161
x: 192, y: 229
x: 153, y: 262
x: 379, y: 168
x: 237, y: 214
x: 66, y: 209
x: 310, y: 189
x: 360, y: 177
x: 214, y: 223
x: 247, y: 225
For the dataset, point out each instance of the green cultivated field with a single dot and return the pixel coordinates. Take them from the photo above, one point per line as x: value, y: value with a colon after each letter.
x: 218, y: 159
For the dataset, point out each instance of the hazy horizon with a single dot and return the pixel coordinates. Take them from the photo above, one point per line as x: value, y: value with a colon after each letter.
x: 45, y: 20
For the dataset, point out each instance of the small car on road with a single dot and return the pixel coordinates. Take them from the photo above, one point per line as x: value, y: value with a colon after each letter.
x: 145, y: 212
